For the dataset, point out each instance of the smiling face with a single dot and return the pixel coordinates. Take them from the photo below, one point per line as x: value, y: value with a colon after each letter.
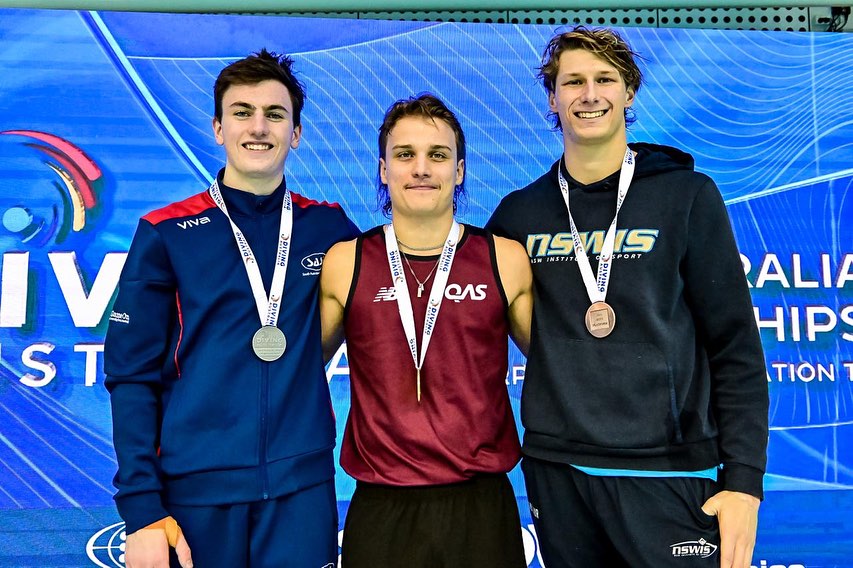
x: 590, y: 98
x: 420, y: 167
x: 257, y: 132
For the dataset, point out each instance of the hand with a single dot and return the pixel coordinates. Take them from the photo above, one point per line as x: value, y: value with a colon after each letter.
x: 182, y: 549
x: 737, y: 514
x: 149, y: 547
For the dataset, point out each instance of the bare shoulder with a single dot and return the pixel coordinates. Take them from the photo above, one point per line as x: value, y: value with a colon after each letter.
x: 340, y: 254
x: 338, y: 268
x: 510, y: 252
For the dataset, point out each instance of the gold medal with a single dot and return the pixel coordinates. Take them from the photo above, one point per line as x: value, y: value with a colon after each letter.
x: 600, y: 319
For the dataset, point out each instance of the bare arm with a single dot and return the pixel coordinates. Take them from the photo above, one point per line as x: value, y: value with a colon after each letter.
x: 517, y: 281
x: 335, y: 281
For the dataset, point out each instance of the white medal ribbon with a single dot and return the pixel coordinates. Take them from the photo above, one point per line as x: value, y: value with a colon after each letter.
x: 436, y: 294
x: 268, y: 307
x: 596, y: 288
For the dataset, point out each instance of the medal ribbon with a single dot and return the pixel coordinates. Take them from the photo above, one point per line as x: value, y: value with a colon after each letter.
x: 596, y: 288
x: 268, y: 307
x: 436, y: 294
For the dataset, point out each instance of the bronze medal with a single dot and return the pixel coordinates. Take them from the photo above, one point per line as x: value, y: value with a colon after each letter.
x: 600, y: 319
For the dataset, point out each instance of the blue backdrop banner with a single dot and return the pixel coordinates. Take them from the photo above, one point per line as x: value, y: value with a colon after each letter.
x: 105, y: 116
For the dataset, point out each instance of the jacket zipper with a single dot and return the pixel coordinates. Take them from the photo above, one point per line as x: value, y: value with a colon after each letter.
x: 265, y: 375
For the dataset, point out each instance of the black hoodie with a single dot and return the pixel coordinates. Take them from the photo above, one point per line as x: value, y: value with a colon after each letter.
x: 680, y: 384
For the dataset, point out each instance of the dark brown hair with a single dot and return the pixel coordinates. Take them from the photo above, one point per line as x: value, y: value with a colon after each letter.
x: 424, y: 105
x: 256, y: 68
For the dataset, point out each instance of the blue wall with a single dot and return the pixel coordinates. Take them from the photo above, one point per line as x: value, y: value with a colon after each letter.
x: 105, y: 116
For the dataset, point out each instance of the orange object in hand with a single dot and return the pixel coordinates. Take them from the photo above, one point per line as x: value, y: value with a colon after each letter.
x: 170, y: 527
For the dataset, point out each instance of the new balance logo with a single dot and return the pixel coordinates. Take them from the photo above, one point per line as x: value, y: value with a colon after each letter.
x: 386, y: 294
x: 190, y: 223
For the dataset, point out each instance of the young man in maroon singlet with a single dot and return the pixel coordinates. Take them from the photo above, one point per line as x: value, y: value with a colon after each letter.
x: 426, y: 305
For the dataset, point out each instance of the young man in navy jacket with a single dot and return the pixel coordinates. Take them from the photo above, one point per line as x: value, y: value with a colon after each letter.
x: 645, y: 372
x: 222, y: 419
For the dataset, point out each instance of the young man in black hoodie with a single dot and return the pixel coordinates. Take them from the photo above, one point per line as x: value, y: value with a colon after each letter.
x: 645, y: 400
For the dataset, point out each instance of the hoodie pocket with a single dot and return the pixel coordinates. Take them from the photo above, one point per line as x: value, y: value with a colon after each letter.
x: 604, y: 394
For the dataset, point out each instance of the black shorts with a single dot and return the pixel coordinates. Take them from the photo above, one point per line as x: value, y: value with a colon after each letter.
x: 474, y: 524
x: 587, y: 521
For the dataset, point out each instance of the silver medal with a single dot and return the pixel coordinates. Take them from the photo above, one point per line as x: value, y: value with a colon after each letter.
x: 269, y: 343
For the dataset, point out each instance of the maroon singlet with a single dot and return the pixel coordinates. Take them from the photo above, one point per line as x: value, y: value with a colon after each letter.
x: 463, y: 424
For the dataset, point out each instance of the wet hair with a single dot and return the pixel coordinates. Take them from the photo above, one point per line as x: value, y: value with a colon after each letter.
x: 424, y: 105
x: 256, y: 68
x: 602, y: 42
